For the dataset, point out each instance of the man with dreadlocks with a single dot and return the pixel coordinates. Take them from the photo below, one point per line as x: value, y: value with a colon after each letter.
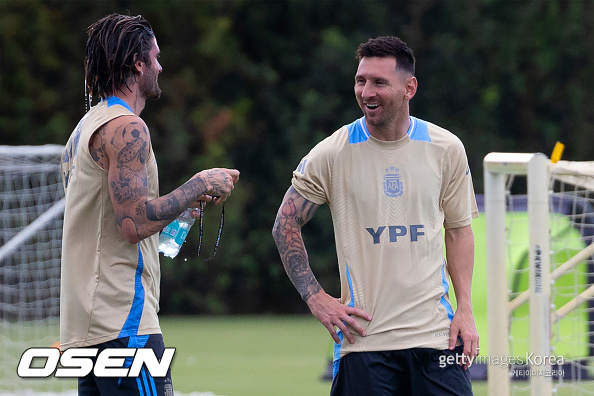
x: 110, y: 263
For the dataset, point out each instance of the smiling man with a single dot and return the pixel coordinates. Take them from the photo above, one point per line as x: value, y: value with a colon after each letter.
x: 393, y: 182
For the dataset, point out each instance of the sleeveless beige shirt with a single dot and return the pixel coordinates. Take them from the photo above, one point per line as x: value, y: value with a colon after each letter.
x: 109, y: 287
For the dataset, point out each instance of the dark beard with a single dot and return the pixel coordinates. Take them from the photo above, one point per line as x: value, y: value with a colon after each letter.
x: 149, y: 89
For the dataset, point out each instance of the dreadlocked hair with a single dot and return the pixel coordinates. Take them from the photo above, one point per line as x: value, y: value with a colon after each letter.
x: 115, y: 42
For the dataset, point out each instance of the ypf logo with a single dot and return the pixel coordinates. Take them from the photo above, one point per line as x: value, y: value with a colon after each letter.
x: 392, y: 183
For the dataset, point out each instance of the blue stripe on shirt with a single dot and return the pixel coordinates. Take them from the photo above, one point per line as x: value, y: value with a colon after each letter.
x: 114, y: 100
x: 446, y: 289
x: 338, y: 347
x: 418, y: 130
x: 132, y: 323
x: 358, y: 131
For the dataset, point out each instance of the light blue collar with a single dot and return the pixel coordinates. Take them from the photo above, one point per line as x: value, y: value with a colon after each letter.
x: 114, y: 100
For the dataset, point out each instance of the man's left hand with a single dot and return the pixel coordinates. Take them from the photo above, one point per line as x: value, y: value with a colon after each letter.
x: 463, y: 326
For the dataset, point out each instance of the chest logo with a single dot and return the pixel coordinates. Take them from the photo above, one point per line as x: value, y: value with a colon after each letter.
x: 392, y: 183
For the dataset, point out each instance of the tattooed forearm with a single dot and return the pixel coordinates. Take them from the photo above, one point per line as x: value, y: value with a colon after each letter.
x: 171, y: 205
x: 167, y: 208
x: 192, y: 189
x: 127, y: 147
x: 297, y: 267
x: 295, y: 211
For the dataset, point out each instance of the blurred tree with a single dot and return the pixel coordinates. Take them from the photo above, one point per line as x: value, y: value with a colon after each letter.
x: 256, y: 84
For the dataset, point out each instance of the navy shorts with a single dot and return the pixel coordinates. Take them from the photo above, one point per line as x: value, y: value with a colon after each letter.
x: 145, y: 384
x: 416, y: 371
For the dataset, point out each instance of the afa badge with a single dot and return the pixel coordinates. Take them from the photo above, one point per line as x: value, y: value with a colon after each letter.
x: 392, y: 183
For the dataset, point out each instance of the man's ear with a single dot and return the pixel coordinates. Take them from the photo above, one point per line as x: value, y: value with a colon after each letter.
x: 410, y: 87
x: 138, y: 64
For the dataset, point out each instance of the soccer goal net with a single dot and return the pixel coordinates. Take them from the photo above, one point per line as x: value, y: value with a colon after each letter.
x: 540, y: 275
x: 31, y: 216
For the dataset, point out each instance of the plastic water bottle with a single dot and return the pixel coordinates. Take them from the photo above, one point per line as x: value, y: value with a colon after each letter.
x: 174, y: 235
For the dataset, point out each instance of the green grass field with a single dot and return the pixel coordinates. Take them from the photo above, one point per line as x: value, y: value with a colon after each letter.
x: 248, y: 355
x: 256, y: 355
x: 265, y: 356
x: 251, y: 355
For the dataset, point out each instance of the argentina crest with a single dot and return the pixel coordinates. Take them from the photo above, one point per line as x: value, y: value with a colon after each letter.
x: 392, y: 183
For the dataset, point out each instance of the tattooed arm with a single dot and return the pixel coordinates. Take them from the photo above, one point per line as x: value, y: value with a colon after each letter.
x: 295, y: 211
x: 122, y: 147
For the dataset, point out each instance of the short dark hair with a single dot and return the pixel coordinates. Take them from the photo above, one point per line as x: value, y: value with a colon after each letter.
x: 388, y: 46
x: 115, y: 42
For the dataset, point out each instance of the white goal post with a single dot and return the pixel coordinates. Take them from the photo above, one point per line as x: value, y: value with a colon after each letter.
x: 31, y: 217
x: 558, y: 274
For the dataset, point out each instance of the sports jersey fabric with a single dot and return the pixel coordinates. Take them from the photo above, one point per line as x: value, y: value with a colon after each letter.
x: 390, y: 201
x: 109, y: 287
